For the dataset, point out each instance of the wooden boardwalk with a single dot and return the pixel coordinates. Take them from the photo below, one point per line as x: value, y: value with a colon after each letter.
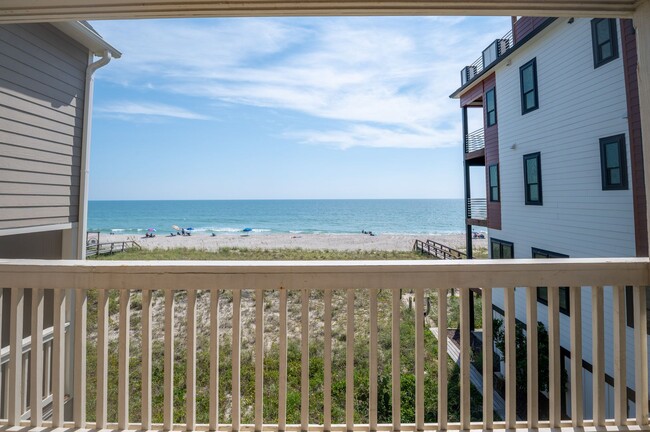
x: 438, y: 250
x: 110, y: 247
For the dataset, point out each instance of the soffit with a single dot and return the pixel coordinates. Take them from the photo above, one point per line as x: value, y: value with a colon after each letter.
x: 66, y: 10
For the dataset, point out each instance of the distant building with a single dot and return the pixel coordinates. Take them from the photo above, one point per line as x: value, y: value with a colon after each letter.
x: 560, y: 148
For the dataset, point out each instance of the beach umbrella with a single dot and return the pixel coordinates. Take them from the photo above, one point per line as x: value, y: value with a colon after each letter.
x: 176, y: 228
x: 247, y: 229
x: 151, y: 229
x: 189, y: 229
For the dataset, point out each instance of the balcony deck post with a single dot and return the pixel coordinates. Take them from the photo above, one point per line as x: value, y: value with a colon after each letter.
x: 214, y: 360
x: 373, y: 361
x: 554, y: 367
x: 15, y: 355
x: 620, y: 370
x: 123, y: 361
x: 327, y: 360
x: 395, y: 358
x: 146, y: 359
x: 488, y: 358
x: 79, y: 399
x: 511, y: 358
x: 58, y: 358
x: 349, y: 363
x: 442, y: 359
x: 304, y: 359
x: 282, y: 384
x: 190, y: 378
x: 532, y: 356
x: 236, y: 359
x: 641, y: 354
x: 419, y: 359
x: 575, y: 305
x: 168, y: 367
x: 465, y: 355
x: 102, y: 359
x: 598, y: 355
x: 259, y: 360
x: 36, y: 359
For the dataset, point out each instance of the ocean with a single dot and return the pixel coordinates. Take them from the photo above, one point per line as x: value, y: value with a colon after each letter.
x: 386, y: 216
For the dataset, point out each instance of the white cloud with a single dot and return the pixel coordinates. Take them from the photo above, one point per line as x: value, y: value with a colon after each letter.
x: 375, y: 137
x: 127, y: 109
x: 385, y: 81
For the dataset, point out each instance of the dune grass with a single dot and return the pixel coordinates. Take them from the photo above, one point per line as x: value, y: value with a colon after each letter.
x: 244, y: 254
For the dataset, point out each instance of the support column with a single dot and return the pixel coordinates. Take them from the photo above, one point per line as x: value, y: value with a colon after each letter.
x: 642, y: 27
x: 468, y: 228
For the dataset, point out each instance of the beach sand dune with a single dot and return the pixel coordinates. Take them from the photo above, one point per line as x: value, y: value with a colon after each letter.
x: 383, y: 242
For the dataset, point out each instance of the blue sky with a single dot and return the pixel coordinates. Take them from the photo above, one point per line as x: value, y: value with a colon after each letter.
x: 283, y: 108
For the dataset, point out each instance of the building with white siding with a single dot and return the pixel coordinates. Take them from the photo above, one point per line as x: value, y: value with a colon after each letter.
x: 559, y: 146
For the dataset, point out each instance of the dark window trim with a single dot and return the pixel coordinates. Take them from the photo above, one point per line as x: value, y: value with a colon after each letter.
x: 501, y: 244
x: 524, y: 109
x: 527, y: 157
x: 622, y: 157
x: 497, y: 186
x: 563, y: 291
x: 487, y: 113
x: 613, y: 34
x: 550, y: 254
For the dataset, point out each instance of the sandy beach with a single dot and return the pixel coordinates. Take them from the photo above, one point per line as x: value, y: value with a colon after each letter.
x: 385, y: 242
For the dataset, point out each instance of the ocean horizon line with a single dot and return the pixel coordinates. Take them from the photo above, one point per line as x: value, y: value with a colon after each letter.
x: 277, y: 199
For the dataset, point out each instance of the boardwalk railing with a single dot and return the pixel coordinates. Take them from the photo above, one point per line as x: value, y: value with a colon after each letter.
x: 177, y: 285
x: 438, y: 250
x: 111, y: 247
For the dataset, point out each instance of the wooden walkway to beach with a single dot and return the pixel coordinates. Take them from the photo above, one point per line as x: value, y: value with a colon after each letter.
x: 111, y: 247
x: 438, y: 250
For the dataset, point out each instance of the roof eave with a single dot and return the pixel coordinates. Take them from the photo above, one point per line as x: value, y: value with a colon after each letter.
x: 86, y: 36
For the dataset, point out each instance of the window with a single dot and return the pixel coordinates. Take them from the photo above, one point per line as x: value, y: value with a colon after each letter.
x: 533, y: 178
x: 542, y: 292
x: 629, y: 306
x: 491, y: 107
x: 529, y: 97
x: 494, y: 182
x: 502, y: 249
x: 613, y: 162
x: 604, y: 41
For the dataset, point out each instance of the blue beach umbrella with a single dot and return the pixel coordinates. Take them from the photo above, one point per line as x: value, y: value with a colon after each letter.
x: 189, y: 229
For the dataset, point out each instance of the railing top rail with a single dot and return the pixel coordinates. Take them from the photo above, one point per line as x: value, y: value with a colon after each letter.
x: 273, y: 275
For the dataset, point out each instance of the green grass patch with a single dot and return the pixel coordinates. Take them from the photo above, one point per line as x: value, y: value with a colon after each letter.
x: 244, y: 254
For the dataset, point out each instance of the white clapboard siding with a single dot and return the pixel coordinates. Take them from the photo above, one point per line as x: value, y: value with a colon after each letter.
x: 577, y: 105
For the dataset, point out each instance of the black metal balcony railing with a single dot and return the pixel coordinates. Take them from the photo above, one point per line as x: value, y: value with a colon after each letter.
x: 474, y: 141
x: 477, y: 208
x: 490, y: 54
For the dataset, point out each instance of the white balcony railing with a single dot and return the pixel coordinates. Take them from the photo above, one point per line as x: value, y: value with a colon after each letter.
x: 280, y: 283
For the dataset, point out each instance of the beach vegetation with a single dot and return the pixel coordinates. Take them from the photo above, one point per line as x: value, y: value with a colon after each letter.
x: 245, y: 254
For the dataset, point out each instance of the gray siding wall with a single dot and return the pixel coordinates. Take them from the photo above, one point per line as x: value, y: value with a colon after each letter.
x: 42, y: 82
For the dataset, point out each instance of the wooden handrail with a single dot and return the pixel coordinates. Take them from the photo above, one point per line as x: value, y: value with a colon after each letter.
x: 354, y: 282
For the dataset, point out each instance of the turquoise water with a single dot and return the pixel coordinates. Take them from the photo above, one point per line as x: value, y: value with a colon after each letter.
x: 280, y: 216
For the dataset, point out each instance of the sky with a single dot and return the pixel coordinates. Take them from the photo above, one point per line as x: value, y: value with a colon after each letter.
x: 283, y: 108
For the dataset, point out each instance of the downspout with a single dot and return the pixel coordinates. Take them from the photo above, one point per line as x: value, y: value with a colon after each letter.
x: 82, y: 224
